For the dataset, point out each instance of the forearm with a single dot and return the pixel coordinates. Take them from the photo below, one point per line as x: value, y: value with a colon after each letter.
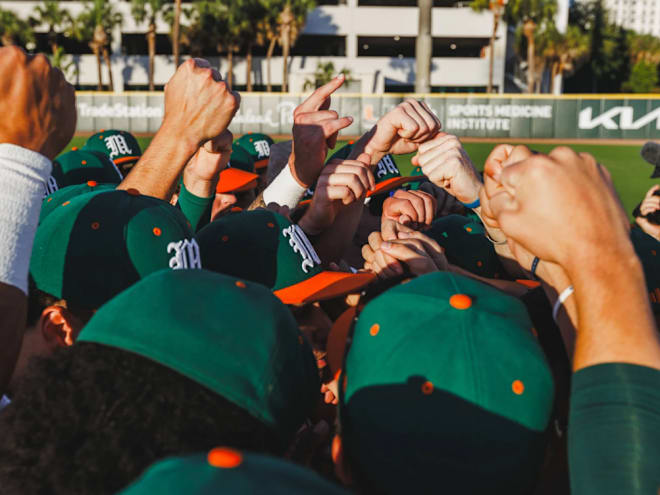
x: 361, y: 146
x: 332, y: 243
x: 615, y: 320
x: 157, y: 171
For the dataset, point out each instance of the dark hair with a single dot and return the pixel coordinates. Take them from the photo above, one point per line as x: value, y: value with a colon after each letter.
x: 91, y: 418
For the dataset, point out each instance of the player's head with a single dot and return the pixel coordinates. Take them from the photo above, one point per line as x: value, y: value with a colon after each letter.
x: 269, y: 249
x: 180, y: 362
x: 443, y: 385
x: 235, y: 190
x: 258, y: 146
x: 80, y: 166
x: 87, y: 250
x: 120, y: 146
x: 227, y: 470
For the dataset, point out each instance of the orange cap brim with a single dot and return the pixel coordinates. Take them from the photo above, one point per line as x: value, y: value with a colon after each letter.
x: 236, y: 180
x: 261, y: 164
x: 336, y: 344
x: 325, y: 285
x: 393, y: 183
x: 124, y: 159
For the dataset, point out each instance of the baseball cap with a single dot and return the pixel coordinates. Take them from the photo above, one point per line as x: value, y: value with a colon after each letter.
x: 52, y: 201
x: 80, y: 166
x: 258, y: 146
x: 648, y: 251
x: 465, y: 244
x: 120, y: 146
x: 231, y: 336
x: 265, y: 247
x: 95, y: 245
x: 239, y: 174
x: 225, y: 470
x: 444, y: 384
x: 388, y: 176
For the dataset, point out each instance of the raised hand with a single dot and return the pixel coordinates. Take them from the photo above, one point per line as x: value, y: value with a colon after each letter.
x: 198, y: 103
x: 548, y: 205
x: 413, y: 208
x: 201, y: 174
x: 342, y: 183
x: 402, y: 130
x: 38, y: 105
x: 315, y: 130
x: 446, y: 163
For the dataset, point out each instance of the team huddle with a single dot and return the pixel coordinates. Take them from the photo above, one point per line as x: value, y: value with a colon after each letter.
x: 216, y: 314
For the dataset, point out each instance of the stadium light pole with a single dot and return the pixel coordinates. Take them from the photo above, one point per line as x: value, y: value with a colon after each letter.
x: 424, y: 47
x: 561, y: 22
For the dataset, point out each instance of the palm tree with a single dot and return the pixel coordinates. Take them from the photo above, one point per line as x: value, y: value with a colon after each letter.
x: 531, y: 14
x: 175, y: 32
x: 291, y: 22
x: 57, y: 19
x: 93, y: 25
x: 251, y: 13
x: 149, y: 10
x: 497, y: 7
x: 14, y: 30
x: 643, y: 48
x: 566, y: 52
x: 268, y: 33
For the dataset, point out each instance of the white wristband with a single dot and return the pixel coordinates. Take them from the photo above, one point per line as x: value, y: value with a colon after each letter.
x: 566, y: 293
x: 284, y: 190
x: 23, y: 175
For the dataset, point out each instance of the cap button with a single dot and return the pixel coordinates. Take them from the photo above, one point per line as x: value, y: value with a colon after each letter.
x: 91, y: 183
x: 133, y: 192
x: 460, y: 301
x: 75, y: 148
x: 222, y: 457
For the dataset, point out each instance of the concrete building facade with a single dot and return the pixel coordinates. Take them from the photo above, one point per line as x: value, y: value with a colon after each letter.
x: 642, y: 16
x: 374, y: 39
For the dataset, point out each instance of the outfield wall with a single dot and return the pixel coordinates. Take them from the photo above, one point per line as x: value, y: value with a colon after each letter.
x: 480, y: 116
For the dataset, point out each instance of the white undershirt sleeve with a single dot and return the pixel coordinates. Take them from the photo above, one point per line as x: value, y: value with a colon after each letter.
x: 23, y: 175
x: 284, y: 190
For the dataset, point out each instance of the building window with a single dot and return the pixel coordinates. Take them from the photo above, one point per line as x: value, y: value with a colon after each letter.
x: 320, y: 45
x: 404, y: 46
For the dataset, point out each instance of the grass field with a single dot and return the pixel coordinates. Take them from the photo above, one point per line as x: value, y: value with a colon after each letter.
x: 629, y: 172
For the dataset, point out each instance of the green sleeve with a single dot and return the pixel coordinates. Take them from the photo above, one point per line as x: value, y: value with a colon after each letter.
x: 614, y: 430
x: 197, y: 210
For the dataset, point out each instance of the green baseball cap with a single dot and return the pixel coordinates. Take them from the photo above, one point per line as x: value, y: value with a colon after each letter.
x: 417, y: 172
x: 79, y: 167
x: 648, y: 251
x: 239, y: 174
x: 264, y: 247
x: 95, y: 245
x: 388, y: 176
x: 233, y: 337
x: 465, y: 243
x: 258, y: 146
x: 52, y: 201
x: 225, y: 470
x: 120, y: 146
x: 445, y: 388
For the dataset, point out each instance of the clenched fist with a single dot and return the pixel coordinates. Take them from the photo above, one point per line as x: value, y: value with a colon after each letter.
x: 38, y: 105
x: 402, y: 130
x: 446, y: 163
x: 198, y: 103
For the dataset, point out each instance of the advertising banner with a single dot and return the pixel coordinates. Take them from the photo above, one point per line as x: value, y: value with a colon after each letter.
x: 570, y: 117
